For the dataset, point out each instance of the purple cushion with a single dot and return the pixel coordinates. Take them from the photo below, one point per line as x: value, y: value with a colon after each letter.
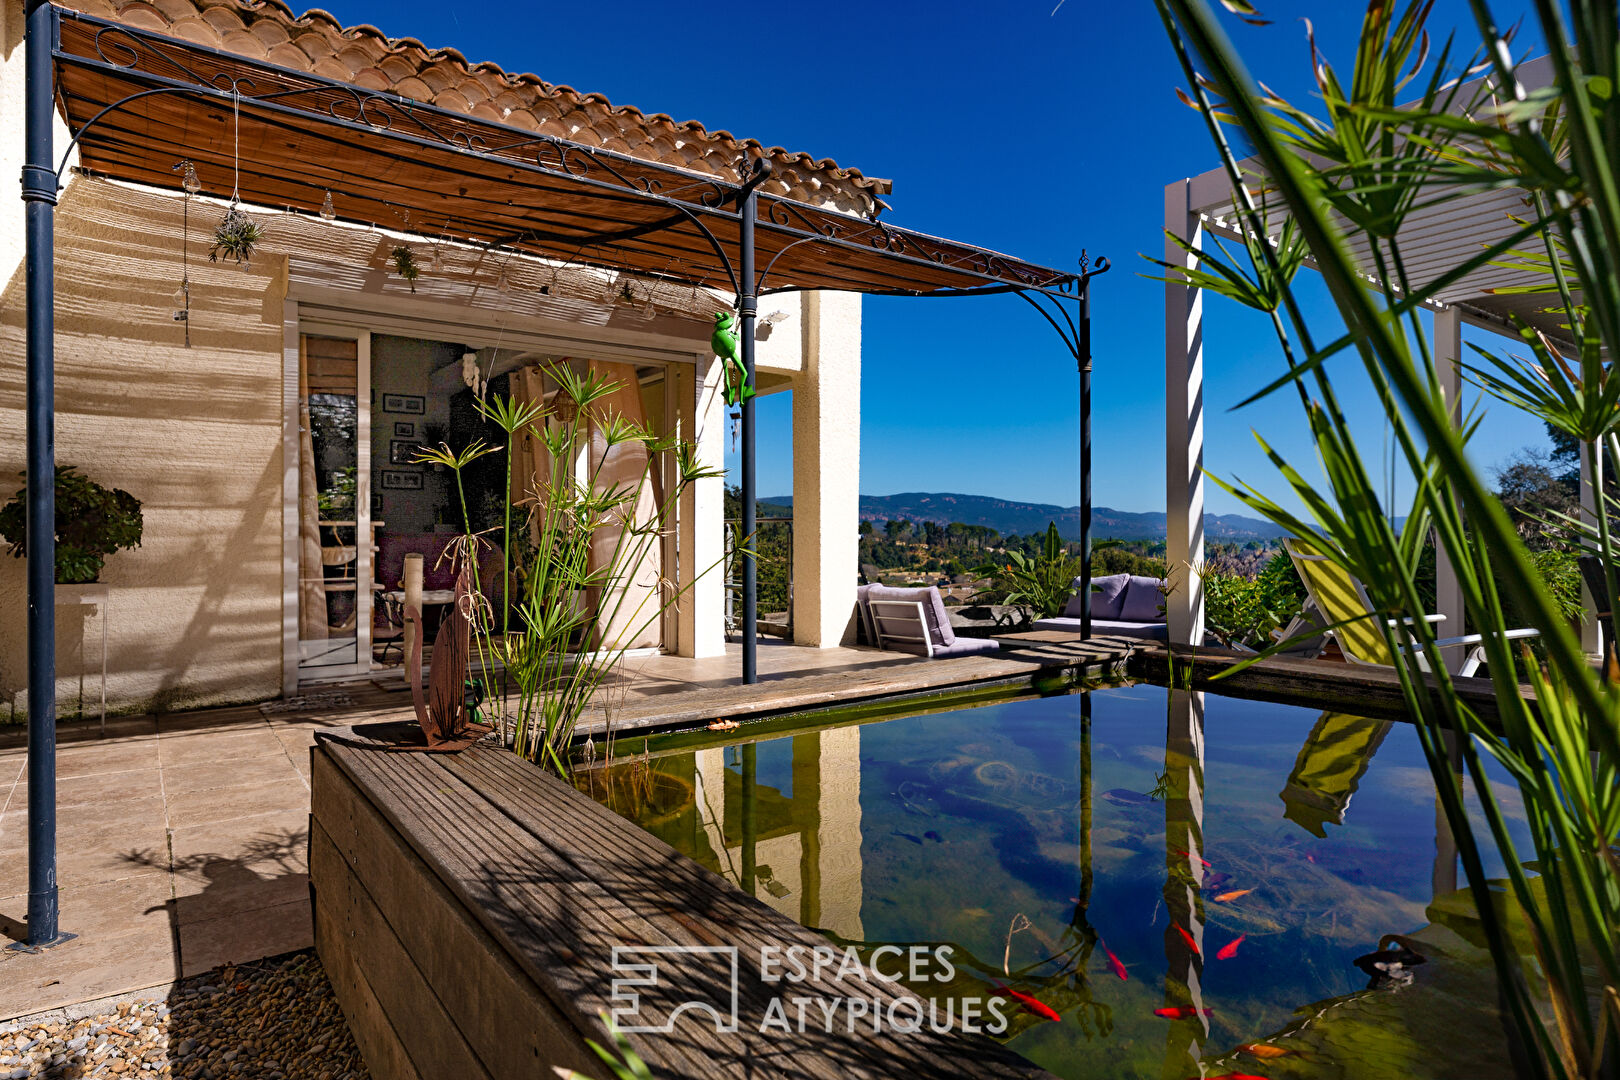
x: 1143, y: 601
x: 934, y: 613
x: 1107, y: 594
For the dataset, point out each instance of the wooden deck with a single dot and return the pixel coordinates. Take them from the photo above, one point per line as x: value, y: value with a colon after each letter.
x: 468, y: 907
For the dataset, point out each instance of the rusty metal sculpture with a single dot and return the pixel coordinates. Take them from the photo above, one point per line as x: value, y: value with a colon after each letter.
x: 442, y: 710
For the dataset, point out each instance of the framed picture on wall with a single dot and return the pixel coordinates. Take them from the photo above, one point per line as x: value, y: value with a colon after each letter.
x: 404, y: 429
x: 404, y: 403
x: 400, y: 480
x: 402, y: 452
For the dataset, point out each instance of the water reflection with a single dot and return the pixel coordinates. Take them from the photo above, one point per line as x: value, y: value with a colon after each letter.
x: 1098, y: 854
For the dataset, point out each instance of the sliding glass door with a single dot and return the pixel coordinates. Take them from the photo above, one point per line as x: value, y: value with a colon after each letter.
x: 334, y: 506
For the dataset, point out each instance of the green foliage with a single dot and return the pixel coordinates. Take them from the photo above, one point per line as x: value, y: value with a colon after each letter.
x: 1244, y: 610
x: 626, y: 1064
x: 1043, y: 583
x: 1349, y: 170
x: 236, y: 237
x: 92, y: 522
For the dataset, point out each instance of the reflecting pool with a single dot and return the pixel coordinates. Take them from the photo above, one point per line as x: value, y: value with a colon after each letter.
x: 1186, y: 880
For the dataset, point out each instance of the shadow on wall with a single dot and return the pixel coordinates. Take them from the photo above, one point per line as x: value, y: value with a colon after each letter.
x: 195, y: 434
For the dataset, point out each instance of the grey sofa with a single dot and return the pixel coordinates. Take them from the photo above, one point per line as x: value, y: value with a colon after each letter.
x: 913, y: 621
x: 1122, y: 605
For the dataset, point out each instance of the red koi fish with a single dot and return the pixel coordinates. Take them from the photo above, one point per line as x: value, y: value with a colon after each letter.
x: 1182, y: 1012
x: 1113, y: 961
x: 1039, y: 1008
x: 1229, y: 951
x: 1190, y: 855
x: 1188, y: 938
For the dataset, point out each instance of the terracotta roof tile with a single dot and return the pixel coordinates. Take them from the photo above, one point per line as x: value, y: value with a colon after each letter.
x: 316, y: 42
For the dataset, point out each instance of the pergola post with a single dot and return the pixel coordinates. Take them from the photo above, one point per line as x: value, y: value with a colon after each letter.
x: 1448, y: 589
x: 39, y: 198
x: 1183, y: 428
x: 748, y: 308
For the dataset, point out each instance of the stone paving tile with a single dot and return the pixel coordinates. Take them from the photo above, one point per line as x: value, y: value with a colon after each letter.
x: 225, y: 803
x: 194, y: 747
x: 97, y: 758
x: 208, y: 943
x: 203, y: 776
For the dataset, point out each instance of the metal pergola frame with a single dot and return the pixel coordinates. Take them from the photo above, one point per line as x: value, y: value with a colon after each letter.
x: 727, y: 227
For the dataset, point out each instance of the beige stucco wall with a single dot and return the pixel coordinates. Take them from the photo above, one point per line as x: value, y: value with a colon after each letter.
x: 195, y: 434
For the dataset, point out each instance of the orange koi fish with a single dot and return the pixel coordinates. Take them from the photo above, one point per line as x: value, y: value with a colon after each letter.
x: 1190, y: 855
x: 1228, y: 897
x: 1266, y: 1052
x: 1188, y: 938
x: 1182, y: 1012
x: 1039, y: 1008
x: 1113, y: 961
x: 1229, y: 951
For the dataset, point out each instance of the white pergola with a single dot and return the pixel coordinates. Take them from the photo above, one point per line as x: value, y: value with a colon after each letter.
x: 1433, y: 240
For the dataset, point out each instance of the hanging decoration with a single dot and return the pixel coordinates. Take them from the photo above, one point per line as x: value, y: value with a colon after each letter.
x: 328, y: 211
x: 405, y: 264
x: 237, y: 236
x: 190, y: 184
x: 724, y: 342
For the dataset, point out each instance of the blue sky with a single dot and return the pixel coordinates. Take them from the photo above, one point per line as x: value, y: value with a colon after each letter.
x: 1006, y: 125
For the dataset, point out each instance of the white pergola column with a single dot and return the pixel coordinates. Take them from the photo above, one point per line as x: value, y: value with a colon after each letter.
x: 827, y: 470
x: 1591, y: 625
x: 701, y: 415
x: 1183, y: 429
x: 1448, y: 590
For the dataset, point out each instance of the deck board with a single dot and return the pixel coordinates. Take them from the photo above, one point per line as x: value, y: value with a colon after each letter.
x: 557, y: 881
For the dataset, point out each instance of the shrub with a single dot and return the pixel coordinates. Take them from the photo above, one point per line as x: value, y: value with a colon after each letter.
x: 92, y: 522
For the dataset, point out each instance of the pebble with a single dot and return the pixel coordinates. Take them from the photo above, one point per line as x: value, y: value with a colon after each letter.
x: 275, y: 1020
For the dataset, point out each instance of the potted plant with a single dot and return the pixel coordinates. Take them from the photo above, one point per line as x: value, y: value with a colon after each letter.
x: 92, y: 522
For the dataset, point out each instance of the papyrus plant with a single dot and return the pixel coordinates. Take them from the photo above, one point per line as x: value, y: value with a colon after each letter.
x: 547, y: 652
x: 1402, y: 134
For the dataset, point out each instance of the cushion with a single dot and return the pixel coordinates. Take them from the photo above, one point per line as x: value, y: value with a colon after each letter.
x: 1156, y: 631
x: 864, y: 629
x: 1107, y: 594
x: 1143, y: 601
x: 934, y: 613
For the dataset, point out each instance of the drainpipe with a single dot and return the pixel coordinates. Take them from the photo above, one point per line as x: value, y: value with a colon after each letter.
x: 39, y: 199
x: 747, y: 308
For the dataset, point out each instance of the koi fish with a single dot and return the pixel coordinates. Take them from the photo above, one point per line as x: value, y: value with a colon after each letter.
x: 1190, y: 855
x: 1228, y: 897
x: 1230, y: 1076
x: 908, y: 836
x: 1039, y: 1008
x: 1182, y: 1012
x: 1113, y: 961
x: 1265, y: 1051
x: 934, y: 836
x: 1229, y: 951
x: 1188, y: 938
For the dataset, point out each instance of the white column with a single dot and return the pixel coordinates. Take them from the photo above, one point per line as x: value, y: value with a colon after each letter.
x: 1183, y: 429
x: 1448, y: 589
x: 827, y: 470
x: 701, y: 419
x: 1591, y: 625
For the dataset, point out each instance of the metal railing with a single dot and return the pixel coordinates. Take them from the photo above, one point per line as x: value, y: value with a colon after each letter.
x: 774, y: 562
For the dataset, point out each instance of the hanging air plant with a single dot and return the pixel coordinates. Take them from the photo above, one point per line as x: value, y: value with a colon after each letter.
x: 405, y: 264
x: 237, y: 236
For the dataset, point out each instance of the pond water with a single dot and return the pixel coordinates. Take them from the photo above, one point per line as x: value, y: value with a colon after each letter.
x: 1060, y: 843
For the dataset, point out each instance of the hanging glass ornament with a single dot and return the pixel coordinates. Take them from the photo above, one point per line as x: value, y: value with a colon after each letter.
x: 327, y: 210
x: 189, y: 179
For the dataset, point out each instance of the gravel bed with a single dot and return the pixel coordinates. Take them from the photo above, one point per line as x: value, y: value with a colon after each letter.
x: 275, y: 1019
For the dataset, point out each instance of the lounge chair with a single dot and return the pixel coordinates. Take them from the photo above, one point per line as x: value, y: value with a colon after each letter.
x: 1343, y: 602
x: 914, y: 621
x: 1122, y: 605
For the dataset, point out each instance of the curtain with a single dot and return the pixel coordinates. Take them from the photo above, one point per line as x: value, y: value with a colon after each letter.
x: 312, y: 615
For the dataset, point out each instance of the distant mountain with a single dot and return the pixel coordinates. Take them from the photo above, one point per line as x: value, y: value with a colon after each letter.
x: 1008, y: 517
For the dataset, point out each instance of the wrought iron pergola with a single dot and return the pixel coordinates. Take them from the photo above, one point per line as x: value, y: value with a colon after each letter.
x: 135, y: 102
